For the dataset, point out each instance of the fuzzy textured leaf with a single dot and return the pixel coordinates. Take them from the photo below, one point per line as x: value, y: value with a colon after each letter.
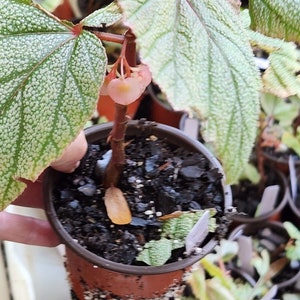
x: 281, y: 77
x: 276, y: 18
x: 174, y: 233
x: 107, y: 15
x: 200, y: 57
x: 156, y: 253
x: 49, y: 84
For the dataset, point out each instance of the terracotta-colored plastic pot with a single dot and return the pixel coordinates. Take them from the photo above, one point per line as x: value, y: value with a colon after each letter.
x: 162, y: 113
x: 281, y: 164
x: 106, y: 107
x: 89, y: 271
x: 274, y: 214
x: 275, y: 228
x: 64, y: 11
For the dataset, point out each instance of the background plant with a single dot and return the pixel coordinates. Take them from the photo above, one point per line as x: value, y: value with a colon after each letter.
x: 213, y: 279
x: 198, y: 53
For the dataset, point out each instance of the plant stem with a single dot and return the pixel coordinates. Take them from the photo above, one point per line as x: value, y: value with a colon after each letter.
x: 116, y: 137
x: 109, y: 37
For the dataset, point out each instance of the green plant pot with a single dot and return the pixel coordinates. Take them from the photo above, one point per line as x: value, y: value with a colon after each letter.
x: 89, y: 271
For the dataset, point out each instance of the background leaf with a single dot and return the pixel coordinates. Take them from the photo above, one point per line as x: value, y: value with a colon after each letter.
x: 276, y: 18
x: 49, y: 5
x: 108, y: 15
x: 282, y: 77
x: 199, y: 55
x: 49, y: 84
x: 156, y: 252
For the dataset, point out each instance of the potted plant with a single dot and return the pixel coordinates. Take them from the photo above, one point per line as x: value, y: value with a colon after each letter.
x: 213, y: 278
x: 235, y: 270
x: 279, y: 240
x: 275, y: 149
x: 279, y: 130
x: 116, y: 271
x: 53, y: 70
x: 260, y: 196
x: 63, y: 10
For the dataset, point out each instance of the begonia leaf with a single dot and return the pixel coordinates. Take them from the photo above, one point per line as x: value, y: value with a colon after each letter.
x: 50, y: 75
x: 199, y: 55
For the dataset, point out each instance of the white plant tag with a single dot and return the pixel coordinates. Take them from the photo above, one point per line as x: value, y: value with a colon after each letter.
x: 268, y: 200
x: 293, y: 177
x: 271, y: 293
x: 245, y: 253
x: 197, y: 234
x: 191, y: 127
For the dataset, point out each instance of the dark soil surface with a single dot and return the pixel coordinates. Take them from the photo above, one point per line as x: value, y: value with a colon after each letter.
x: 281, y: 156
x: 246, y: 196
x: 158, y: 179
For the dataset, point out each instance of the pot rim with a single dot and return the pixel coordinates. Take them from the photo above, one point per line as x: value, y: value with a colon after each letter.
x: 267, y: 216
x: 135, y: 126
x: 291, y: 202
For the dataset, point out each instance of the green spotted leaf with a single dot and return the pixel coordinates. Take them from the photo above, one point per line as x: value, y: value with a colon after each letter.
x: 49, y: 84
x: 276, y: 18
x: 199, y: 55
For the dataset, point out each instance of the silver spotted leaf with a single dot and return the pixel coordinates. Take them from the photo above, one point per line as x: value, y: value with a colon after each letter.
x: 200, y: 56
x: 107, y: 15
x: 49, y: 83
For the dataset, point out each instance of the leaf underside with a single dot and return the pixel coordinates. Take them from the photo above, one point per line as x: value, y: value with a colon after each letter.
x: 49, y: 84
x: 200, y: 57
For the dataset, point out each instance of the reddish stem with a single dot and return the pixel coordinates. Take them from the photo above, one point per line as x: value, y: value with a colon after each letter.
x: 110, y: 37
x: 117, y: 135
x: 130, y: 50
x: 116, y: 138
